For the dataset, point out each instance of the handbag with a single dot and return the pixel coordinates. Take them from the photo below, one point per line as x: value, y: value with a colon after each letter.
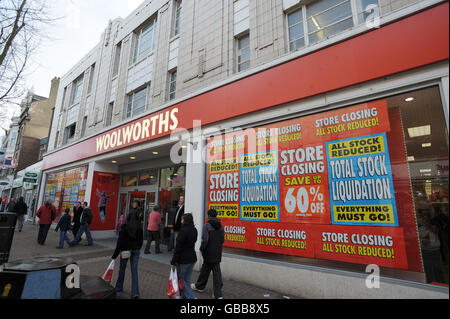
x: 126, y: 254
x: 107, y: 276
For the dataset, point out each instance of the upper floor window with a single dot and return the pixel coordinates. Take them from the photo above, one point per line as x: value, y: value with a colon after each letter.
x: 109, y: 114
x: 365, y: 9
x: 325, y: 18
x: 144, y: 43
x: 172, y: 84
x: 176, y: 26
x: 243, y: 53
x: 77, y: 90
x: 314, y: 22
x: 296, y: 30
x: 91, y: 78
x: 137, y: 102
x: 117, y: 59
x: 69, y: 133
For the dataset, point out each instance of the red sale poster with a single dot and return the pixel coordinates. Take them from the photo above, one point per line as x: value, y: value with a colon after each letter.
x: 104, y: 197
x: 271, y: 187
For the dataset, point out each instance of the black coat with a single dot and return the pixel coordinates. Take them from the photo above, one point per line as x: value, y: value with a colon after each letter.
x: 64, y: 223
x: 20, y: 208
x: 76, y: 216
x: 125, y: 242
x: 177, y: 222
x: 213, y: 237
x: 86, y: 218
x: 185, y: 247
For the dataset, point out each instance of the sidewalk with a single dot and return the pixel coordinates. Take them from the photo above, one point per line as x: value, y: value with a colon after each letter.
x: 153, y: 269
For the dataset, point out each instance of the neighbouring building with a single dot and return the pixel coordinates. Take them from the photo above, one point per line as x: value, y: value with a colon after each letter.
x: 27, y: 144
x: 317, y: 129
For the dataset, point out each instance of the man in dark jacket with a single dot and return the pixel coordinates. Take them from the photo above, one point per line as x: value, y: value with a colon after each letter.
x: 213, y: 237
x: 177, y: 219
x: 64, y: 226
x: 85, y: 221
x: 77, y: 210
x: 21, y: 210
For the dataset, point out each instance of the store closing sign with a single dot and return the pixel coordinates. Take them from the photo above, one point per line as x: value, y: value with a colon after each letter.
x: 280, y: 187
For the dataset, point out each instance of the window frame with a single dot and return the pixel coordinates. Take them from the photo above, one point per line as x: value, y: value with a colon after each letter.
x: 238, y: 64
x: 151, y: 26
x: 171, y: 94
x: 354, y: 16
x: 131, y: 112
x: 77, y: 90
x: 176, y: 25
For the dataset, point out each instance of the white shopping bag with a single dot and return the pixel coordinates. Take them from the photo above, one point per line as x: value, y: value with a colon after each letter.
x: 107, y: 276
x: 173, y: 290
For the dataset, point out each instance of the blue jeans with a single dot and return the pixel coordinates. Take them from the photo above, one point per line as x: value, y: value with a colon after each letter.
x: 185, y: 273
x: 83, y: 229
x: 134, y: 259
x: 63, y: 237
x: 171, y: 241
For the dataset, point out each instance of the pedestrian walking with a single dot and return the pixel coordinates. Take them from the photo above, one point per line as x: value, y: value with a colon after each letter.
x: 129, y: 246
x: 77, y: 210
x: 3, y: 205
x: 177, y: 218
x: 213, y: 237
x: 154, y: 221
x: 46, y: 214
x: 184, y: 256
x: 64, y: 227
x: 20, y: 209
x: 85, y: 224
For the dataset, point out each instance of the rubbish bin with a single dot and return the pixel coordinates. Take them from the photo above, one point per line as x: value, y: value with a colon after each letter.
x: 50, y: 278
x: 7, y: 226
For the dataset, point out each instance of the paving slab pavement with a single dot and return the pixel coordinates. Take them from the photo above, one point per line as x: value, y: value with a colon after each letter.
x: 153, y: 269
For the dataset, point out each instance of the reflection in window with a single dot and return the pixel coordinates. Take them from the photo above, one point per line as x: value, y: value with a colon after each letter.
x: 129, y: 180
x: 366, y: 9
x: 148, y: 177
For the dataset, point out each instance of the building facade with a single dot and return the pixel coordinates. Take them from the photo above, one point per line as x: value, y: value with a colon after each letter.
x: 317, y: 129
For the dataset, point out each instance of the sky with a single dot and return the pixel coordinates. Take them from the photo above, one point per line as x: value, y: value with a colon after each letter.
x: 70, y: 38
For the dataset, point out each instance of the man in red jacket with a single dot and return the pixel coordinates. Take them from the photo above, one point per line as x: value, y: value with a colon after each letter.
x: 46, y: 214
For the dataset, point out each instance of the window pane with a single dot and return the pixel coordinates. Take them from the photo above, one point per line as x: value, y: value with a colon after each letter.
x: 322, y: 5
x: 363, y: 5
x: 129, y: 180
x: 295, y: 17
x: 336, y: 28
x: 294, y: 45
x: 326, y: 18
x: 244, y: 42
x: 148, y: 177
x: 244, y: 66
x: 296, y: 32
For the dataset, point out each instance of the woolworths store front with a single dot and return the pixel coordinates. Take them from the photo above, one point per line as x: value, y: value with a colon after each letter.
x: 317, y: 172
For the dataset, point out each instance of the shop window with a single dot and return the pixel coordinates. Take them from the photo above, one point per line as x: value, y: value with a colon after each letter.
x: 129, y: 180
x: 173, y: 177
x: 148, y: 177
x: 342, y: 188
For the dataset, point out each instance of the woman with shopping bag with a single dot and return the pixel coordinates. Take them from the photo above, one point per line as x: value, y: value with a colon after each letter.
x: 129, y: 246
x: 184, y: 257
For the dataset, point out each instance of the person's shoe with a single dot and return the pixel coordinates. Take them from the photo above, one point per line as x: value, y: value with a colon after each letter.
x: 89, y: 244
x: 147, y: 252
x: 158, y: 252
x: 72, y: 245
x: 135, y: 297
x: 214, y: 297
x: 59, y: 247
x: 194, y: 288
